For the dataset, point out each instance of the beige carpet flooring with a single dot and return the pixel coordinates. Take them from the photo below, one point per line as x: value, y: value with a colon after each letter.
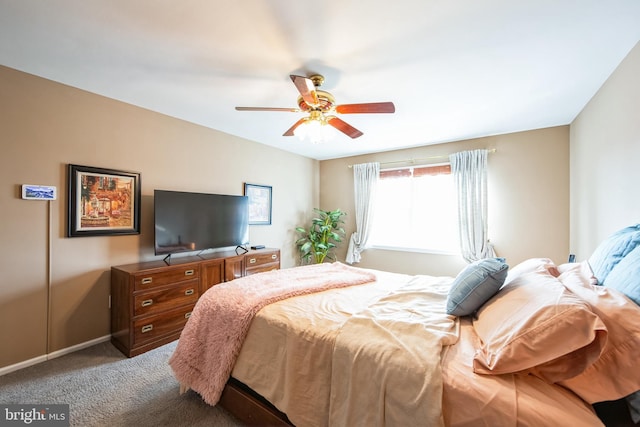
x: 104, y: 388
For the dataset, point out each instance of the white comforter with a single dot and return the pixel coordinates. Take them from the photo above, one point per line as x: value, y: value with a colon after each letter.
x: 359, y: 356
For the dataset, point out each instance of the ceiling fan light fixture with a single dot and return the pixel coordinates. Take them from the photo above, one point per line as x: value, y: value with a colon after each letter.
x: 322, y: 108
x: 314, y: 129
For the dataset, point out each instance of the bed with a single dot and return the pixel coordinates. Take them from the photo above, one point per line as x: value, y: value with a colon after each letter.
x: 531, y: 345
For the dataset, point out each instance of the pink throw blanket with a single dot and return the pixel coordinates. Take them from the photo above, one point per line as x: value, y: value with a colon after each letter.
x: 213, y: 336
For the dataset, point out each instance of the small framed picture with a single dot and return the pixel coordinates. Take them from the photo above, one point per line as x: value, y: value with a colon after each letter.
x: 259, y: 203
x: 39, y: 192
x: 102, y: 202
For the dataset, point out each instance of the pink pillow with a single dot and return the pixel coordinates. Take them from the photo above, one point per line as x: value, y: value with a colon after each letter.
x: 532, y: 265
x: 534, y: 325
x: 616, y: 373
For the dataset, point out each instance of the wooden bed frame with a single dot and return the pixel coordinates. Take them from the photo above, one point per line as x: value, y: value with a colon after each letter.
x: 614, y: 414
x: 254, y: 410
x: 249, y: 407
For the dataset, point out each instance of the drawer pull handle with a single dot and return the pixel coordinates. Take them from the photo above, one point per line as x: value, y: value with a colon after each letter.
x: 147, y: 328
x: 252, y: 260
x: 189, y: 273
x: 147, y: 302
x: 187, y: 315
x: 188, y: 292
x: 147, y: 280
x: 274, y: 256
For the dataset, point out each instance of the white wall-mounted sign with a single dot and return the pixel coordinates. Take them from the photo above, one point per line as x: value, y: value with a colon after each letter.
x: 38, y: 192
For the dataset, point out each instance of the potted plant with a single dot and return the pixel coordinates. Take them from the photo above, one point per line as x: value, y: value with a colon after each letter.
x: 317, y: 243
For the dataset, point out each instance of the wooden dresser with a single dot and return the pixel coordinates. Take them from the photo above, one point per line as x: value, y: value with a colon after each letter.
x: 152, y: 301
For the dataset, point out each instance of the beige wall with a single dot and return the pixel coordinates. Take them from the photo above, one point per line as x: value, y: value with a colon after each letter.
x: 44, y: 126
x: 605, y: 159
x: 528, y: 186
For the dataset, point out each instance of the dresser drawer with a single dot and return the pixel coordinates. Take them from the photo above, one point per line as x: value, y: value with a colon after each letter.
x: 153, y: 327
x: 261, y: 268
x: 254, y: 260
x: 163, y: 299
x: 175, y: 274
x: 261, y: 261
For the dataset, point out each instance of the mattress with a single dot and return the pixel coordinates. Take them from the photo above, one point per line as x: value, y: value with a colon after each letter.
x: 288, y: 354
x: 298, y: 356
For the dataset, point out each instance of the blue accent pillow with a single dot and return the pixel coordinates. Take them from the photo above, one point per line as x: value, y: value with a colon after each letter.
x: 612, y: 250
x: 625, y: 276
x: 475, y: 285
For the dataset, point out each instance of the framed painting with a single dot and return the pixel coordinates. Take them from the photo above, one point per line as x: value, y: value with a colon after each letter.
x: 259, y: 203
x: 102, y: 202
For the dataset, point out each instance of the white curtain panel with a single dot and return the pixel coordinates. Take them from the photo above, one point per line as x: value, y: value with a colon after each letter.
x: 365, y: 182
x: 469, y: 169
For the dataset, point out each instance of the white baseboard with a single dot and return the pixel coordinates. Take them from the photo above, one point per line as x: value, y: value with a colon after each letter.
x: 53, y: 355
x: 77, y: 347
x: 21, y: 365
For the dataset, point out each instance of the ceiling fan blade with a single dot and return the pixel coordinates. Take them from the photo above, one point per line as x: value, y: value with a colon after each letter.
x: 344, y: 127
x: 306, y: 88
x: 291, y: 110
x: 289, y: 132
x: 372, y: 107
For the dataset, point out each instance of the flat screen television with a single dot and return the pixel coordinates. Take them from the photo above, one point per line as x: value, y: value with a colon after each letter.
x: 186, y: 222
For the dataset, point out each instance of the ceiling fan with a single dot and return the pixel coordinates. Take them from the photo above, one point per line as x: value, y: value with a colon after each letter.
x: 321, y: 107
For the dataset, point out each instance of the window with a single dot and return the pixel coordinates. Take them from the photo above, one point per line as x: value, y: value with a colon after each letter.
x: 416, y: 209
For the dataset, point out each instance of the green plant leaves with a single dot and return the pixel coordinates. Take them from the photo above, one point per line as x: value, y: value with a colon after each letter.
x: 319, y: 240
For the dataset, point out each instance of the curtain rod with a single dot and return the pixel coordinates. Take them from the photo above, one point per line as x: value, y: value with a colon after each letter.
x: 413, y: 161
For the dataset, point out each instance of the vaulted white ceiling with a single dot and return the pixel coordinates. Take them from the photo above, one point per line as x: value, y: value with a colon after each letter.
x: 454, y: 69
